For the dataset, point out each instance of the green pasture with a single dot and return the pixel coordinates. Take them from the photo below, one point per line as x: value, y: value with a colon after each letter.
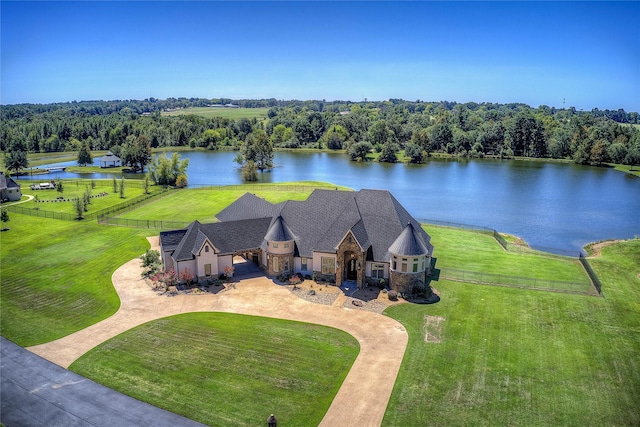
x: 56, y: 275
x: 227, y: 113
x: 227, y: 369
x: 474, y: 251
x: 524, y: 358
x: 48, y: 199
x: 504, y: 357
x: 203, y: 204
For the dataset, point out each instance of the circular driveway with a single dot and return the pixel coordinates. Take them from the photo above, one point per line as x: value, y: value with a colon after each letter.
x: 361, y: 400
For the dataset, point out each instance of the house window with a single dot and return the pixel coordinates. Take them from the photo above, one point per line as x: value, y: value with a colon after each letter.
x: 275, y: 245
x: 415, y: 266
x: 303, y: 264
x: 276, y: 264
x: 206, y: 249
x: 404, y: 267
x: 377, y: 271
x: 328, y: 265
x: 395, y: 266
x: 286, y: 245
x: 286, y: 265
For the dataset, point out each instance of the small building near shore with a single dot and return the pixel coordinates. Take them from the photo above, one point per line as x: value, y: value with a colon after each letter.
x: 110, y: 160
x: 9, y: 189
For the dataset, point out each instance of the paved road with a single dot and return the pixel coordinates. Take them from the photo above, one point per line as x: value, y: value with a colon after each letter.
x: 361, y: 400
x: 36, y: 392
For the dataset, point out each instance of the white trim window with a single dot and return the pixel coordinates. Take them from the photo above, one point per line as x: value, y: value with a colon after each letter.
x: 377, y: 271
x: 328, y: 265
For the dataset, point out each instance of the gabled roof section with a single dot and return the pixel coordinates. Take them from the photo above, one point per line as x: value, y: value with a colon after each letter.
x: 249, y: 206
x: 169, y: 240
x: 409, y: 243
x: 374, y: 217
x: 279, y: 232
x: 7, y: 182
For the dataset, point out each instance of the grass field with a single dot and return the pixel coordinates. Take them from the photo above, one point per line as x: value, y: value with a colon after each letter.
x: 48, y: 199
x: 505, y: 356
x: 465, y: 250
x: 525, y: 358
x: 204, y: 203
x: 227, y: 370
x: 56, y: 275
x: 228, y: 113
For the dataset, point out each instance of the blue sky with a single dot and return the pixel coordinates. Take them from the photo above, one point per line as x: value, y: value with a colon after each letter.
x: 532, y: 52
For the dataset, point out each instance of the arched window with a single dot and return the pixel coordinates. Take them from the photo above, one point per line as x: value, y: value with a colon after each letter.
x: 206, y: 248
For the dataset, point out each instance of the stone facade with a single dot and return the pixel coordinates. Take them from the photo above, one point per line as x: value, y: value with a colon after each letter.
x: 351, y: 261
x: 406, y: 282
x: 283, y: 260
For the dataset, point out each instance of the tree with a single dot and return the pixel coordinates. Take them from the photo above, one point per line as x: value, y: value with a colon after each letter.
x: 358, y: 151
x: 60, y: 187
x: 250, y: 171
x: 388, y: 153
x: 379, y: 133
x: 145, y: 184
x: 4, y: 217
x: 151, y: 262
x: 165, y: 170
x: 336, y: 136
x: 258, y: 148
x: 87, y: 197
x: 16, y: 160
x: 121, y: 188
x: 414, y: 152
x: 115, y: 186
x: 79, y: 207
x: 137, y: 154
x: 84, y: 155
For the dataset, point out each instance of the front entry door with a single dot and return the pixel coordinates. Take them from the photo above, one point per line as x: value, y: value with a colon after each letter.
x: 352, y: 273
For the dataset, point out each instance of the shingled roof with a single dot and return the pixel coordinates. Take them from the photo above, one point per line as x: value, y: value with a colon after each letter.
x: 374, y: 217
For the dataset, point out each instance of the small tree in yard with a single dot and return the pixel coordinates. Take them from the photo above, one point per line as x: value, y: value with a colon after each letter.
x: 167, y: 278
x: 151, y: 263
x: 36, y: 200
x: 79, y: 207
x: 87, y: 198
x: 295, y: 281
x: 60, y: 187
x: 187, y: 276
x: 4, y: 216
x: 122, y: 188
x: 115, y: 186
x: 145, y: 184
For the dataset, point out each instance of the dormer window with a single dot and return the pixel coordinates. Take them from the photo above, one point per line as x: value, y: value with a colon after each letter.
x: 206, y: 248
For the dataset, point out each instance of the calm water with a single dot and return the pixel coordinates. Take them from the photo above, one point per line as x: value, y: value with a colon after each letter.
x: 551, y: 205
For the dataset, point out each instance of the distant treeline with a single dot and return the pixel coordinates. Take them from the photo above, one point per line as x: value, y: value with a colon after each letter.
x: 390, y: 128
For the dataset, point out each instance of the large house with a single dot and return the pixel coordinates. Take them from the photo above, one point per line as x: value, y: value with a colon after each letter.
x: 342, y: 236
x: 9, y: 189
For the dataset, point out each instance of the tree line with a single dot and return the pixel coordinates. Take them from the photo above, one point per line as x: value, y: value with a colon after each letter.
x: 385, y: 130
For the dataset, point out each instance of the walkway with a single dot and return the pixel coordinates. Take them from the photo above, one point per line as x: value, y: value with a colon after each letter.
x: 364, y: 394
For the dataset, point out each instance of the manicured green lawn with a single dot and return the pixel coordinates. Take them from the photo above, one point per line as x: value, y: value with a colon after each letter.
x: 525, y: 358
x: 228, y: 113
x: 56, y: 275
x: 204, y: 203
x: 226, y: 369
x: 472, y: 251
x: 48, y: 199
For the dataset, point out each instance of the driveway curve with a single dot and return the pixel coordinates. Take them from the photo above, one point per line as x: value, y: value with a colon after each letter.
x: 361, y: 400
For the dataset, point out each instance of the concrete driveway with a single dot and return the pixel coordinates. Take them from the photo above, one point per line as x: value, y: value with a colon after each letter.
x: 362, y: 398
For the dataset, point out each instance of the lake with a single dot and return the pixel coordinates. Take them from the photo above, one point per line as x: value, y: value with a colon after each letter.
x: 550, y: 205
